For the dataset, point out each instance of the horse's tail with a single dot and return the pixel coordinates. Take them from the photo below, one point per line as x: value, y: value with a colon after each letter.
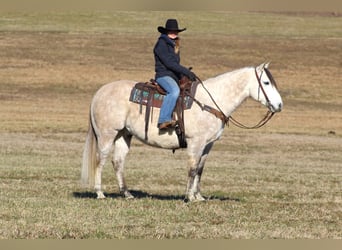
x: 90, y: 161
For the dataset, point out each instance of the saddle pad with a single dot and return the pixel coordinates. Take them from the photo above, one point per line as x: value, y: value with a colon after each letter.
x: 142, y: 94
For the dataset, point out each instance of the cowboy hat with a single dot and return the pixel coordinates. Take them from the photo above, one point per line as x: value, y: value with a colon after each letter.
x: 170, y: 25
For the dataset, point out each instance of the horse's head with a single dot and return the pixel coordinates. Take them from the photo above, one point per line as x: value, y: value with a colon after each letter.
x: 265, y: 89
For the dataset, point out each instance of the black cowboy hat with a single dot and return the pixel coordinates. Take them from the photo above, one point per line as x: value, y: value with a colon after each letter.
x: 170, y: 25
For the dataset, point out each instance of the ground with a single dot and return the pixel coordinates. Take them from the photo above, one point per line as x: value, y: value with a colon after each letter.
x: 280, y: 181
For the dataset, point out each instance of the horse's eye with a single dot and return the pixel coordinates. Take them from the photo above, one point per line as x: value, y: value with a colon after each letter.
x: 266, y: 82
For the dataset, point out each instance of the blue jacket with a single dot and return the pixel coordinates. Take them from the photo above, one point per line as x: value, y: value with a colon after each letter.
x: 167, y: 62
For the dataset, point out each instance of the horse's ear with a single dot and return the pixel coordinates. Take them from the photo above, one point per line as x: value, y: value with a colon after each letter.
x: 266, y: 65
x: 263, y: 66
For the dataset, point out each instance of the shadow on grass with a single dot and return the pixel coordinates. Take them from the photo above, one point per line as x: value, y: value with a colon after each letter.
x: 143, y: 195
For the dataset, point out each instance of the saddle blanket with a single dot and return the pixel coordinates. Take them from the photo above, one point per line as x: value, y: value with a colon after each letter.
x: 144, y: 94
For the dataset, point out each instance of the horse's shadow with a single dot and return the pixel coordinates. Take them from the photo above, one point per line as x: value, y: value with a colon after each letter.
x: 144, y: 195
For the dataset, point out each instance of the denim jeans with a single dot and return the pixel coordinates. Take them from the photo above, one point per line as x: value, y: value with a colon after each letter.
x: 172, y: 89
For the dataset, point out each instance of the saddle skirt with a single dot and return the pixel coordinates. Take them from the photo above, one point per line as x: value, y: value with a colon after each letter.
x: 150, y: 93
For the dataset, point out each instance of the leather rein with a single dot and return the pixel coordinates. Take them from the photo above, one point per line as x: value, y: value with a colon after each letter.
x: 225, y: 119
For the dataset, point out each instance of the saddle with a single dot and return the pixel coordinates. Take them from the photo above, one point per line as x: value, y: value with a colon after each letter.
x: 151, y: 95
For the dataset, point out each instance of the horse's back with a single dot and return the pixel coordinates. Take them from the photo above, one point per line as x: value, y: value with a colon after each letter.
x: 115, y: 89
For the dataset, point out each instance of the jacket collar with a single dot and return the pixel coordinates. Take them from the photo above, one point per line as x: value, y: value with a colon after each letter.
x: 167, y: 39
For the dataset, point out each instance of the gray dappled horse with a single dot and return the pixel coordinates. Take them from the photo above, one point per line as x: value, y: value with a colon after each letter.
x: 114, y: 120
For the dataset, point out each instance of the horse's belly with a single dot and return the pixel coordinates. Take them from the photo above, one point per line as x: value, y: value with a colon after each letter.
x: 163, y: 139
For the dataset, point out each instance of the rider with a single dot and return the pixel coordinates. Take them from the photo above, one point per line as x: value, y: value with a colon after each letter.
x: 169, y: 70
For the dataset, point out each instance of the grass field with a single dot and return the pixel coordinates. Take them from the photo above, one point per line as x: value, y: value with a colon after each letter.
x: 281, y: 181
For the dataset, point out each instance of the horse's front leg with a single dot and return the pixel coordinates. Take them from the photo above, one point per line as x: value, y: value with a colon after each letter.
x: 193, y: 188
x: 196, y: 165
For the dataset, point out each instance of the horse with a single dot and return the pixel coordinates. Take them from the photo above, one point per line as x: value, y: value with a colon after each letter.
x: 114, y: 120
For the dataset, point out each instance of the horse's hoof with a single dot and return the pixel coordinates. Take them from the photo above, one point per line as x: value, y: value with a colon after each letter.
x: 128, y: 195
x: 199, y: 197
x: 100, y: 195
x: 194, y: 198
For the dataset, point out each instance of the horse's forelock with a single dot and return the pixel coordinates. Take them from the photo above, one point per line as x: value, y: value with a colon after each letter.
x: 269, y: 75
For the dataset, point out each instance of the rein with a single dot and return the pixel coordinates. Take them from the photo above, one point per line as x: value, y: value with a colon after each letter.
x: 217, y: 112
x: 225, y: 119
x: 261, y: 123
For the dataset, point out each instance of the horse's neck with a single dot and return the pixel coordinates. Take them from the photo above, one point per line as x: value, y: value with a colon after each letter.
x: 230, y: 89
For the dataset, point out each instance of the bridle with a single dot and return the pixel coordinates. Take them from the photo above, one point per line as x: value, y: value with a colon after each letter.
x: 269, y: 113
x: 225, y: 119
x: 261, y: 87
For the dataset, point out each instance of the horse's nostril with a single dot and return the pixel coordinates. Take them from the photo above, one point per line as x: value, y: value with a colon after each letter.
x: 280, y: 106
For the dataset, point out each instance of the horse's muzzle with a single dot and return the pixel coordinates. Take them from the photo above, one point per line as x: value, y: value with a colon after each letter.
x: 275, y: 108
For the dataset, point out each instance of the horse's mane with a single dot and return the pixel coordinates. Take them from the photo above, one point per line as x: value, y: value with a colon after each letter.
x: 222, y: 75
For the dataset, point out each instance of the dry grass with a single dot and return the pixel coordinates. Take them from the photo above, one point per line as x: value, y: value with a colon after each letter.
x: 282, y: 181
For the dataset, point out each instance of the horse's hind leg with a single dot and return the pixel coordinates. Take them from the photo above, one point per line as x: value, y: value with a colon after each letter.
x: 105, y: 144
x: 121, y: 148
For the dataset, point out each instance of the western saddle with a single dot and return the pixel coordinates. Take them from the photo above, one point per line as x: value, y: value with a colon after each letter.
x: 150, y: 94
